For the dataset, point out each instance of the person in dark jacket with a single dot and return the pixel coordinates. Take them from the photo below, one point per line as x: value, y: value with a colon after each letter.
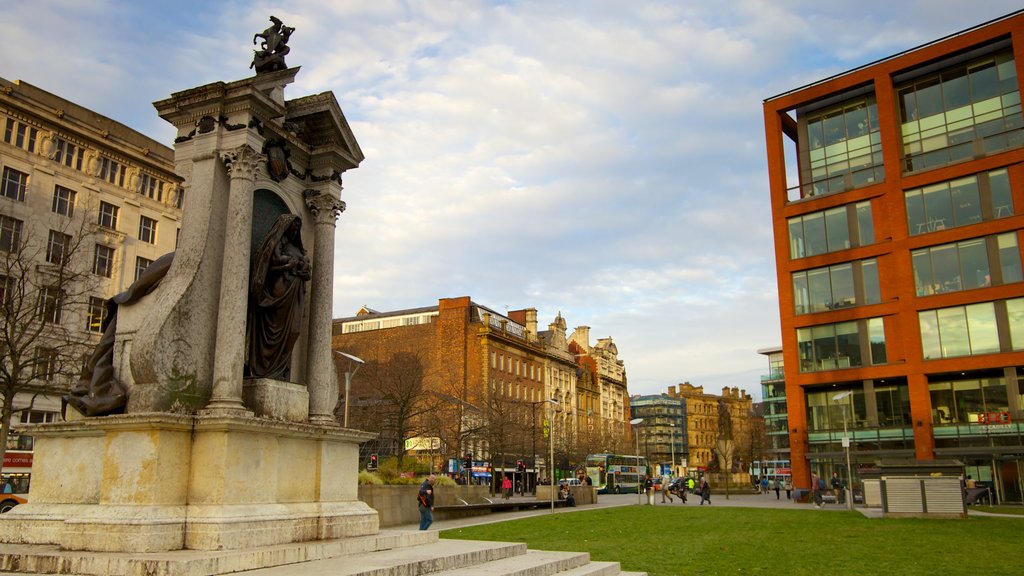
x: 426, y: 502
x: 705, y: 492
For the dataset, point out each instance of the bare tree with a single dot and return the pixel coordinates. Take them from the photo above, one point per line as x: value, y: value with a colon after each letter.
x: 725, y: 444
x: 394, y: 400
x: 45, y: 286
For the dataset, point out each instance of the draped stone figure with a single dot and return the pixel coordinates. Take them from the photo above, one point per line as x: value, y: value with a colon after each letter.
x: 277, y: 292
x: 98, y: 392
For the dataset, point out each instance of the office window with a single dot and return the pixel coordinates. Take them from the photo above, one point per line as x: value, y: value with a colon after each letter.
x: 68, y: 154
x: 10, y: 233
x: 959, y: 331
x: 112, y: 171
x: 844, y: 147
x: 140, y: 265
x: 965, y: 401
x: 147, y: 230
x: 63, y: 201
x: 825, y: 413
x: 44, y: 365
x: 14, y: 184
x: 151, y: 187
x: 108, y: 215
x: 964, y: 111
x: 965, y: 265
x: 58, y: 247
x: 51, y: 302
x: 21, y: 135
x: 103, y: 261
x: 892, y: 402
x: 1015, y: 319
x: 841, y: 345
x: 95, y: 314
x: 959, y: 202
x: 834, y: 287
x: 7, y: 290
x: 831, y: 230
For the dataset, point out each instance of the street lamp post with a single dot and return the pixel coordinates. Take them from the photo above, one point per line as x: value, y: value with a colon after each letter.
x: 672, y: 439
x: 846, y: 447
x: 551, y: 448
x: 354, y: 363
x: 634, y: 422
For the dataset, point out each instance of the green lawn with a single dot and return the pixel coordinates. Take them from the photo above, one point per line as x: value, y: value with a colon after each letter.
x: 663, y: 540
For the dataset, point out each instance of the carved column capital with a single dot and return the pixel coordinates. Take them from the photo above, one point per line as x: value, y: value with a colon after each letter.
x: 242, y: 162
x: 325, y: 208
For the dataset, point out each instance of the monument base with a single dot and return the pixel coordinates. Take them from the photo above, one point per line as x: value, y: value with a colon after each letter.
x: 161, y: 482
x: 276, y: 399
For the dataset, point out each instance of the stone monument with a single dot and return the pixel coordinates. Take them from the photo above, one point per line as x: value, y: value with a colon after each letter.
x: 208, y: 452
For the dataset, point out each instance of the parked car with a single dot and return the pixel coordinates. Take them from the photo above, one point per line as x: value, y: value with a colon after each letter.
x: 8, y: 501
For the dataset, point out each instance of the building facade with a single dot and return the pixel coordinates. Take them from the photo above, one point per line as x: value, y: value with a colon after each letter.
x: 492, y: 385
x: 79, y: 192
x: 661, y: 436
x: 898, y: 258
x: 705, y: 415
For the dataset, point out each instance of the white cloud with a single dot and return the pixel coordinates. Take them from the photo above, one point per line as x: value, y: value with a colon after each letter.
x: 605, y: 162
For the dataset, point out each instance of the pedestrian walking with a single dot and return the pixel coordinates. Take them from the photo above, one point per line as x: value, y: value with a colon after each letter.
x: 425, y: 502
x: 506, y: 487
x: 649, y: 490
x: 665, y: 481
x: 789, y: 488
x: 705, y: 492
x: 778, y: 486
x: 817, y: 487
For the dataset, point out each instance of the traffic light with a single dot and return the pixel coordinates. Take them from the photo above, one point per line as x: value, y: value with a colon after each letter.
x: 520, y: 466
x: 373, y: 462
x: 467, y: 461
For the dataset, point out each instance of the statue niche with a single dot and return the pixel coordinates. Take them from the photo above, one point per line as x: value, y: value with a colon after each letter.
x: 277, y: 293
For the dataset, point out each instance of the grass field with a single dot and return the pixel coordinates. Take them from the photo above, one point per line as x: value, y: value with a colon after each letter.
x: 664, y: 541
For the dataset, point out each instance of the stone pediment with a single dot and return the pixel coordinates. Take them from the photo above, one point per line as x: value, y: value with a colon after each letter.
x: 318, y: 121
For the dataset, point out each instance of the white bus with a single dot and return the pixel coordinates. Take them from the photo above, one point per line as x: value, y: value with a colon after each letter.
x: 616, y: 473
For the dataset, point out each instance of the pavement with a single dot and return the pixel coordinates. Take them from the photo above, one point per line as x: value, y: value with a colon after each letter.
x: 737, y: 500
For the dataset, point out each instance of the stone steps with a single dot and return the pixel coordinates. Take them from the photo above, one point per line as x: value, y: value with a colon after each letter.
x: 389, y: 553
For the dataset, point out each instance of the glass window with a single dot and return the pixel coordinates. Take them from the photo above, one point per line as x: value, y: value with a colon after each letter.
x: 68, y: 154
x: 147, y: 230
x: 1009, y: 258
x: 959, y: 331
x: 103, y: 261
x: 829, y: 230
x: 835, y: 346
x: 45, y: 364
x: 893, y: 405
x: 108, y: 215
x: 966, y: 401
x: 21, y: 135
x: 50, y: 304
x: 96, y: 313
x: 965, y: 265
x: 151, y: 187
x: 10, y: 233
x: 999, y: 190
x: 872, y: 287
x: 63, y: 201
x: 952, y: 114
x: 843, y: 147
x: 1015, y: 315
x: 58, y: 247
x: 140, y: 265
x: 14, y: 184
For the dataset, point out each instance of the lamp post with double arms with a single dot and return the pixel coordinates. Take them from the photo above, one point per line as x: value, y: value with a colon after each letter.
x: 354, y: 365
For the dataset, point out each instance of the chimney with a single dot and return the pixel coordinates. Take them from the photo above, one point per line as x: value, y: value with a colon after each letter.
x: 531, y: 324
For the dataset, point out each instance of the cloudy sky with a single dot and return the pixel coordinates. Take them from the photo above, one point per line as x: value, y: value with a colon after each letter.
x: 602, y: 159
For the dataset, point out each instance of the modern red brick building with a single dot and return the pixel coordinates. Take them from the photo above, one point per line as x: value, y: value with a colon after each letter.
x: 897, y: 193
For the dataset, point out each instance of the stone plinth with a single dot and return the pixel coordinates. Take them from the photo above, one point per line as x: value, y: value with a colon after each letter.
x: 276, y: 399
x: 161, y: 482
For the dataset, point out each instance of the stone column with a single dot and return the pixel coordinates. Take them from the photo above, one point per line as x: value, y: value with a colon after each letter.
x: 321, y: 382
x: 229, y: 359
